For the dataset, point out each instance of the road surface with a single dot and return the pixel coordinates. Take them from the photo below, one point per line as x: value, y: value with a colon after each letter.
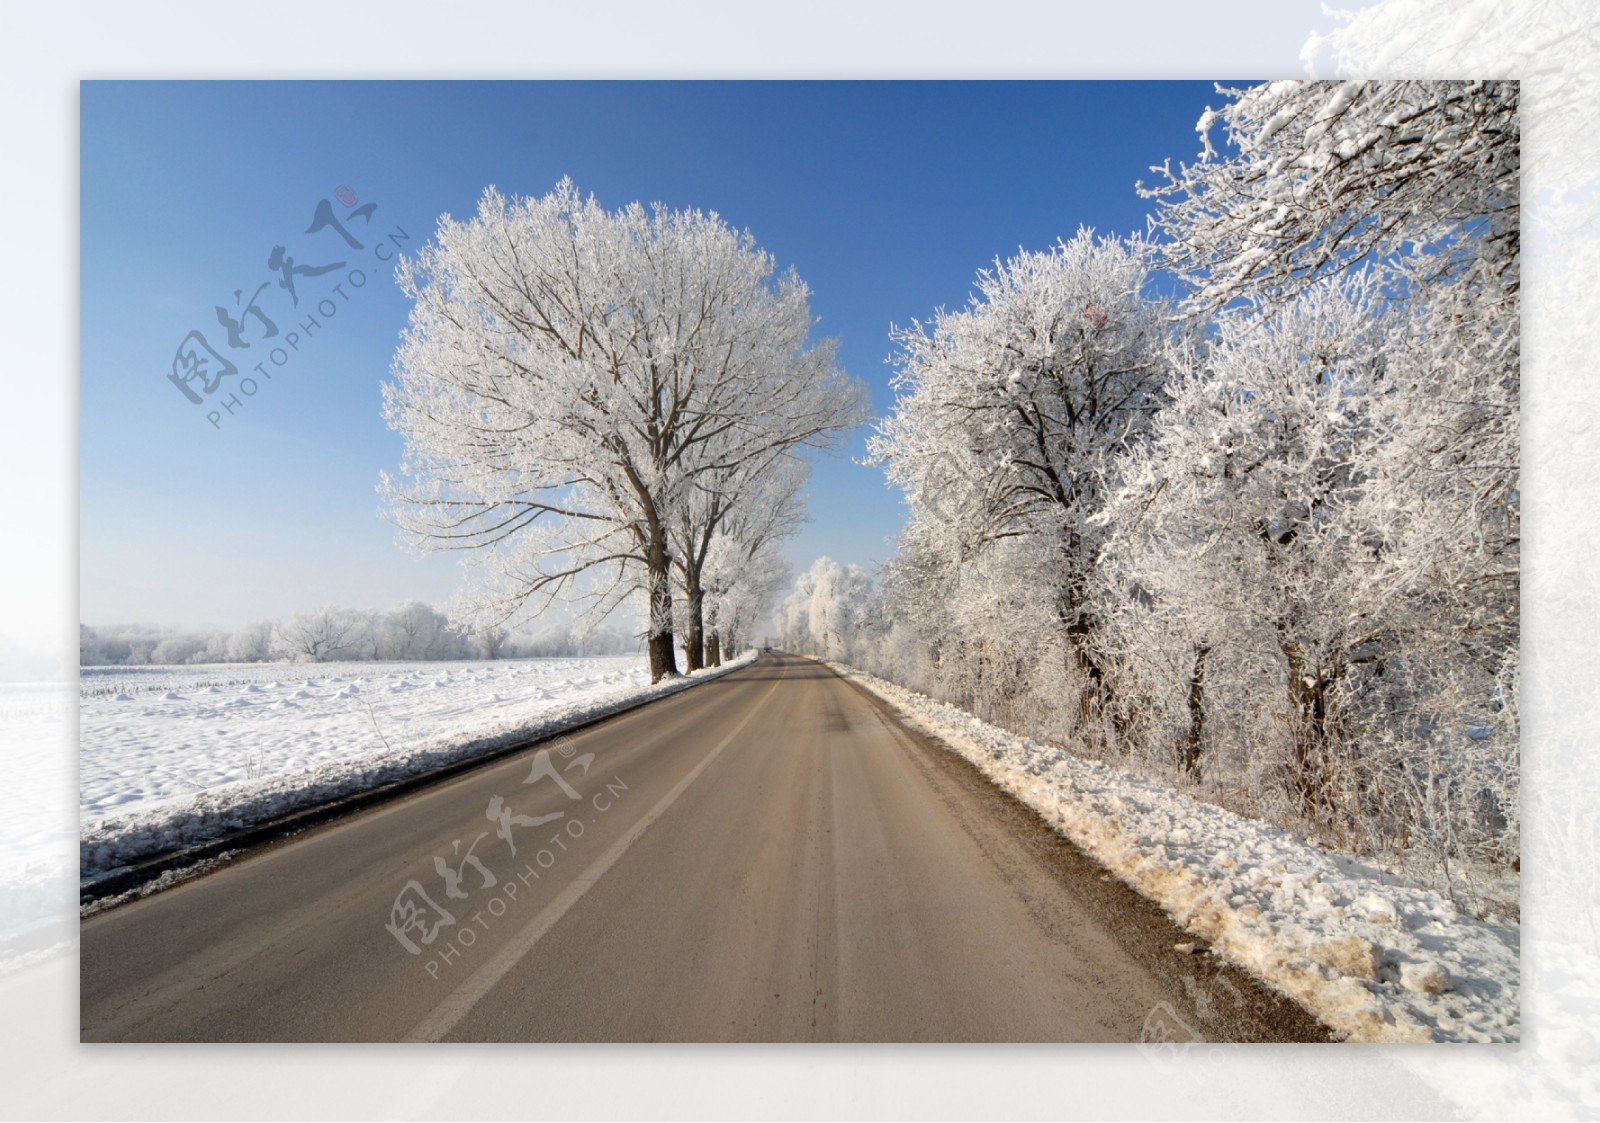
x: 769, y: 856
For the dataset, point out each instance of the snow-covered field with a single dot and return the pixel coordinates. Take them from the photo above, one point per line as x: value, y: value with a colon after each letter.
x: 174, y: 756
x: 1374, y: 959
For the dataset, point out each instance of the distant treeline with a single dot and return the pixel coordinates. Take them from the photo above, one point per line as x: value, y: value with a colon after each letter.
x: 409, y: 631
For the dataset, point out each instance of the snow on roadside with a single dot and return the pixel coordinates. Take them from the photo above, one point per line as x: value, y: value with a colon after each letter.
x: 175, y: 756
x: 1374, y: 960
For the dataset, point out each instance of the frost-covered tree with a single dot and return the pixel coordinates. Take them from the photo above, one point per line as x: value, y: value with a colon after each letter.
x: 327, y: 634
x: 413, y: 630
x: 1254, y: 519
x: 91, y: 647
x: 743, y: 582
x: 1317, y: 177
x: 178, y: 649
x: 744, y: 501
x: 571, y: 375
x: 1310, y: 550
x: 1012, y: 411
x: 251, y: 643
x: 730, y: 561
x: 823, y: 614
x: 1277, y: 545
x: 1359, y: 407
x: 489, y: 643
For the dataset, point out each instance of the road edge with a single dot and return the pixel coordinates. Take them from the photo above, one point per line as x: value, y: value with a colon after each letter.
x: 1243, y: 974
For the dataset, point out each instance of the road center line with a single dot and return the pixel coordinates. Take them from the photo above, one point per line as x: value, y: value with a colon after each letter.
x: 460, y: 1001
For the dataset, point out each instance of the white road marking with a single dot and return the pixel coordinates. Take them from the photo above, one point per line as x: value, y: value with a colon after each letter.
x: 460, y: 1001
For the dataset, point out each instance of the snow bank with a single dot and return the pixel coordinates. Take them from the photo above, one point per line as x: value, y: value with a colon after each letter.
x: 1377, y: 961
x: 170, y: 757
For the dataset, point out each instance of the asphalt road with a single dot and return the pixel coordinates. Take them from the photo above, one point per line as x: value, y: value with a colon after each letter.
x: 770, y: 856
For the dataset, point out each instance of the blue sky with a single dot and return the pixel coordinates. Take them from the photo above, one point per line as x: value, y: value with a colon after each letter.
x: 887, y: 198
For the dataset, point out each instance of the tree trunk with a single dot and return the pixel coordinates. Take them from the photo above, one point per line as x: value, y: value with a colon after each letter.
x: 1197, y: 712
x: 1097, y: 693
x: 1079, y: 632
x: 663, y: 660
x: 713, y: 649
x: 1308, y: 695
x: 694, y: 631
